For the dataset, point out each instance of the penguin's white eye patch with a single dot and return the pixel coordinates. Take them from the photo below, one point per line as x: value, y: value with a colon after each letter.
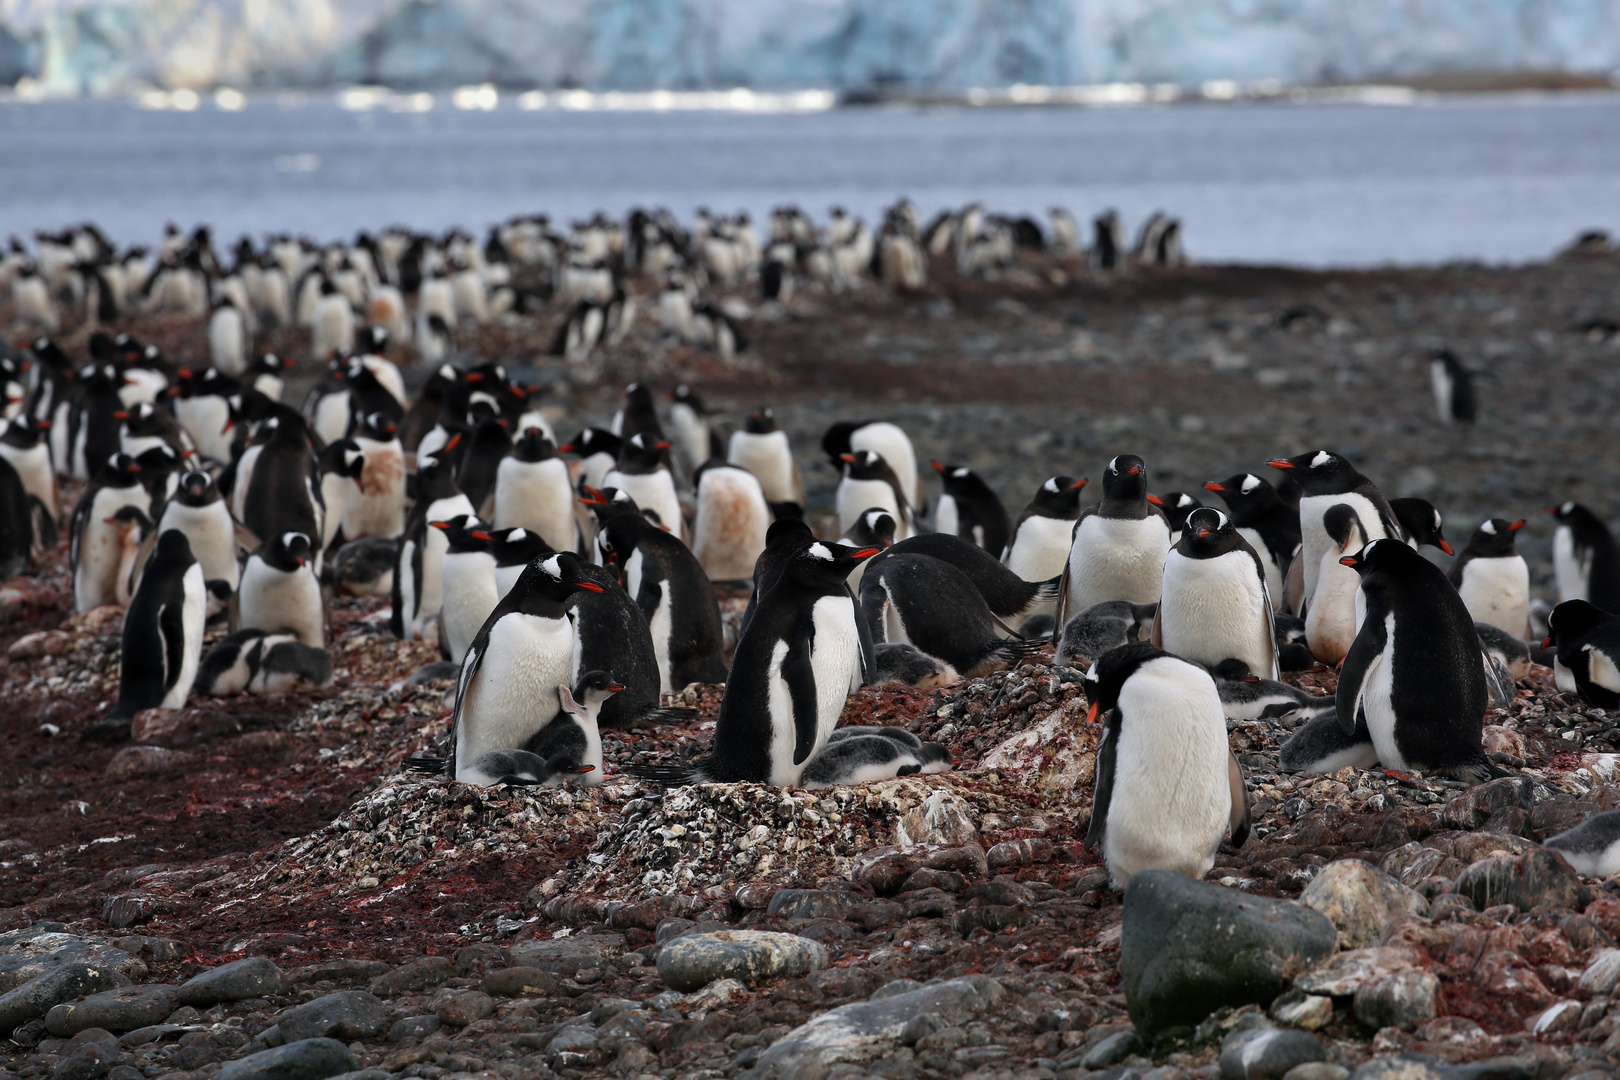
x: 959, y: 473
x: 517, y: 534
x: 1489, y: 528
x: 553, y: 566
x: 1566, y: 508
x: 1113, y: 465
x: 1091, y: 672
x: 1050, y: 485
x: 1322, y: 458
x: 820, y: 551
x: 1250, y: 482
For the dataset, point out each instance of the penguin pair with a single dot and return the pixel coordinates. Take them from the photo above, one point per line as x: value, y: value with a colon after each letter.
x: 864, y: 755
x: 255, y: 661
x: 418, y: 585
x: 672, y: 591
x: 1328, y: 480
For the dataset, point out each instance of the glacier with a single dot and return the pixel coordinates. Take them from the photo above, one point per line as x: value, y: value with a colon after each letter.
x: 99, y: 47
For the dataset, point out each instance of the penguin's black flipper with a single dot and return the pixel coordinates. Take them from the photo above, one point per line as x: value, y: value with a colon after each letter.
x: 171, y: 622
x: 800, y: 675
x: 863, y: 628
x: 436, y: 766
x: 1365, y: 651
x: 668, y: 775
x: 44, y: 524
x: 1103, y: 793
x: 871, y: 611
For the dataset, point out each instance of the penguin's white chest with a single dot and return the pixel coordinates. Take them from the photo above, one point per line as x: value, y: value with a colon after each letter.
x: 1334, y: 616
x: 537, y: 496
x: 766, y: 456
x: 212, y: 535
x: 1215, y: 609
x: 271, y: 599
x: 380, y: 509
x: 1041, y: 548
x: 469, y: 597
x: 661, y: 622
x: 244, y: 480
x: 1572, y: 566
x: 511, y: 691
x: 1497, y: 591
x: 1117, y: 559
x: 1378, y: 702
x: 855, y: 497
x: 193, y: 614
x: 1274, y: 573
x: 835, y: 662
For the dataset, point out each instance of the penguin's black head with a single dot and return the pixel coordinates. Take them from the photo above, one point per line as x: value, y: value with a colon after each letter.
x: 1421, y: 522
x: 595, y: 687
x: 1495, y: 539
x: 1125, y: 479
x: 1245, y: 494
x: 1107, y: 676
x: 865, y: 465
x: 290, y: 549
x: 876, y: 526
x: 821, y: 562
x: 761, y: 421
x: 1576, y: 516
x: 196, y: 486
x: 1178, y: 506
x: 120, y: 470
x: 787, y: 532
x: 1343, y: 526
x: 1207, y: 533
x: 638, y: 395
x: 160, y: 459
x: 1235, y: 671
x: 1059, y: 497
x: 958, y: 479
x: 685, y: 395
x: 555, y: 576
x: 271, y: 364
x: 372, y: 339
x: 172, y: 546
x: 836, y: 441
x: 533, y: 445
x: 1572, y: 620
x: 465, y: 532
x: 1385, y: 556
x: 643, y: 450
x: 1320, y: 472
x: 377, y: 426
x: 592, y: 441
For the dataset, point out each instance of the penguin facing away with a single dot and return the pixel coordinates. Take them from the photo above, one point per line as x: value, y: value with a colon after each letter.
x: 1492, y: 577
x: 1215, y: 605
x: 666, y: 581
x: 163, y: 631
x: 728, y: 532
x: 1152, y: 810
x: 1119, y: 544
x: 19, y: 531
x: 1009, y: 597
x: 1586, y: 561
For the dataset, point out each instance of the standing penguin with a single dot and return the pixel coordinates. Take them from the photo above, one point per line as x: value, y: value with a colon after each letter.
x: 1261, y: 517
x: 378, y: 507
x: 163, y: 631
x: 25, y: 447
x: 638, y: 413
x: 279, y: 591
x: 1328, y: 480
x: 598, y: 450
x: 1585, y: 559
x: 1414, y: 674
x: 202, y: 408
x: 281, y: 494
x: 613, y: 634
x: 342, y: 468
x: 1177, y: 507
x: 884, y: 439
x: 532, y: 490
x: 1586, y: 657
x: 198, y: 511
x: 728, y: 532
x: 418, y: 590
x: 1154, y: 810
x: 20, y: 523
x: 868, y: 482
x: 1119, y: 544
x: 469, y: 584
x: 228, y: 338
x: 970, y: 509
x: 796, y: 664
x: 668, y: 584
x: 1039, y: 547
x: 642, y: 474
x: 97, y: 548
x: 1453, y: 386
x: 762, y: 448
x: 1333, y: 618
x: 1215, y: 605
x: 1492, y: 577
x: 690, y: 431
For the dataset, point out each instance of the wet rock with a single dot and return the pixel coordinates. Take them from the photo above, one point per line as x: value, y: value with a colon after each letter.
x: 520, y: 982
x: 944, y: 818
x: 1112, y: 1050
x: 991, y: 917
x: 1190, y: 947
x: 346, y: 1015
x: 423, y: 974
x: 1473, y: 808
x: 1360, y: 900
x: 1012, y: 853
x: 1267, y: 1053
x: 115, y: 1010
x: 1398, y: 1067
x: 250, y: 977
x: 885, y: 869
x: 39, y: 995
x: 809, y: 904
x: 717, y: 995
x: 1301, y: 1010
x: 414, y: 1027
x: 1401, y: 999
x: 928, y: 878
x: 1344, y: 973
x: 1560, y: 1016
x: 86, y: 1062
x: 862, y: 1032
x: 564, y: 956
x: 969, y: 860
x: 458, y: 1008
x: 307, y: 1059
x: 1317, y: 1070
x: 750, y: 956
x: 41, y: 643
x: 1538, y: 878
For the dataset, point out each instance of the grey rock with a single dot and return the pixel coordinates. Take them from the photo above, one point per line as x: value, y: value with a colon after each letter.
x: 39, y: 995
x: 750, y: 956
x: 459, y: 1008
x: 1343, y: 973
x: 809, y: 904
x: 666, y: 1000
x: 1112, y: 1050
x: 87, y: 1062
x: 307, y: 1059
x: 1189, y: 948
x: 239, y: 980
x: 365, y: 1074
x: 564, y: 956
x: 1267, y: 1053
x: 423, y: 974
x: 32, y: 952
x: 521, y: 982
x: 346, y: 1015
x: 116, y: 1010
x: 1400, y: 999
x: 866, y: 1030
x: 1397, y: 1067
x: 894, y: 988
x: 1538, y: 878
x: 1317, y: 1070
x: 576, y: 1039
x: 125, y: 1072
x: 414, y: 1027
x: 1360, y: 900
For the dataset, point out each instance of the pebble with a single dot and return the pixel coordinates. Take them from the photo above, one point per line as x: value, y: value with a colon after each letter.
x: 239, y: 980
x: 39, y: 995
x: 136, y: 761
x: 346, y: 1015
x: 1301, y: 1010
x: 520, y: 982
x: 1267, y: 1053
x: 307, y: 1059
x: 1317, y: 1070
x: 809, y: 904
x: 414, y: 1027
x: 1360, y: 900
x: 87, y: 1062
x: 564, y: 956
x: 1112, y: 1050
x: 1401, y: 999
x: 115, y: 1010
x: 750, y: 956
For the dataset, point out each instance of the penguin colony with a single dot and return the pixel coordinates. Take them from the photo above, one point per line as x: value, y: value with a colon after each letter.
x: 569, y: 584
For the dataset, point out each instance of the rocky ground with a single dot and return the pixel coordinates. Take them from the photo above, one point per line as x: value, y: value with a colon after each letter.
x: 252, y: 888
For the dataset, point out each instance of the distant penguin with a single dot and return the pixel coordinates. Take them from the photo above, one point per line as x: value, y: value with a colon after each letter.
x: 1328, y: 480
x: 256, y: 662
x: 1119, y: 544
x: 526, y: 651
x: 1492, y: 577
x: 163, y: 631
x: 418, y: 591
x: 469, y: 584
x: 1453, y: 386
x: 796, y: 664
x: 903, y: 662
x: 1591, y: 848
x: 1414, y: 671
x: 868, y: 482
x: 228, y: 336
x: 95, y: 429
x: 202, y: 408
x: 1215, y: 605
x: 279, y: 592
x: 1586, y: 644
x: 333, y: 323
x: 668, y: 584
x: 762, y: 448
x: 637, y: 414
x: 874, y: 528
x: 641, y: 473
x: 377, y: 507
x: 1104, y: 627
x: 198, y: 511
x: 1421, y: 524
x: 865, y: 759
x: 884, y: 439
x: 691, y: 434
x: 933, y: 605
x: 98, y: 548
x: 1262, y: 518
x: 24, y: 446
x: 970, y: 509
x: 728, y: 532
x: 1585, y: 559
x: 1153, y: 810
x: 1334, y: 618
x: 532, y: 490
x: 1107, y: 242
x: 574, y: 731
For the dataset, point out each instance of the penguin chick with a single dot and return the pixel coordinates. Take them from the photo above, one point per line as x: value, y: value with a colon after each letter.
x: 1592, y: 848
x: 1104, y: 627
x: 863, y: 759
x: 1246, y: 696
x: 257, y: 662
x: 905, y: 663
x: 574, y: 731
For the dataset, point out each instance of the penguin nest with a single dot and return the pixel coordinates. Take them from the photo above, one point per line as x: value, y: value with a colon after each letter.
x: 976, y: 717
x: 695, y: 838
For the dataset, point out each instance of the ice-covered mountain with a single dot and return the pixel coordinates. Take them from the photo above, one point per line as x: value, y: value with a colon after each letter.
x: 103, y: 46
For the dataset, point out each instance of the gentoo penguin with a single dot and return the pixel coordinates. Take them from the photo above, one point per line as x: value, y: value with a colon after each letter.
x: 784, y: 540
x: 1262, y: 518
x: 1591, y: 848
x: 762, y: 448
x: 279, y: 592
x: 469, y: 584
x: 669, y: 585
x: 1038, y: 549
x: 1453, y: 387
x: 1119, y: 544
x: 163, y: 631
x: 19, y: 529
x: 874, y: 528
x: 25, y: 447
x: 1215, y: 605
x: 256, y: 662
x: 1585, y: 559
x: 1414, y: 674
x: 145, y: 427
x: 1420, y: 523
x: 691, y: 435
x: 612, y: 631
x: 267, y: 375
x: 1247, y: 696
x: 1586, y: 644
x: 342, y: 469
x: 532, y: 490
x: 1492, y: 577
x: 161, y: 467
x: 797, y: 662
x: 1508, y: 650
x: 280, y: 490
x: 574, y: 731
x: 94, y: 434
x: 1322, y: 745
x: 98, y: 548
x: 526, y: 651
x: 228, y: 338
x: 884, y: 439
x: 1333, y: 618
x: 202, y: 408
x: 641, y: 473
x: 728, y: 531
x: 418, y: 590
x: 1328, y: 480
x: 868, y: 482
x: 514, y: 549
x: 333, y: 322
x: 637, y: 414
x: 1009, y: 597
x: 929, y: 603
x: 598, y: 450
x: 1104, y: 627
x: 366, y: 567
x: 970, y: 509
x: 198, y: 511
x: 905, y: 663
x: 377, y: 507
x: 1154, y: 810
x: 483, y: 452
x: 1293, y: 653
x: 865, y: 759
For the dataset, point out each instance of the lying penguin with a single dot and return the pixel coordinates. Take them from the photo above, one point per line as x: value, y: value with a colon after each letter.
x: 254, y: 661
x: 1103, y: 627
x: 1593, y: 846
x: 862, y: 755
x: 1246, y: 696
